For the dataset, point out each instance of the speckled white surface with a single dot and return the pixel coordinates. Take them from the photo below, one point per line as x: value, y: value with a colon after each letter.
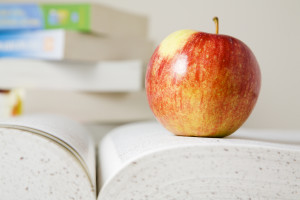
x: 33, y: 167
x: 62, y: 130
x: 149, y: 163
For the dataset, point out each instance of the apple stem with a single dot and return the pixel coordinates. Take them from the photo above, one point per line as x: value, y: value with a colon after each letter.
x: 216, y: 20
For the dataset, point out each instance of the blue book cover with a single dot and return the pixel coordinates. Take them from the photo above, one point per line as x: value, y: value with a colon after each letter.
x: 43, y: 44
x: 30, y: 16
x: 20, y: 16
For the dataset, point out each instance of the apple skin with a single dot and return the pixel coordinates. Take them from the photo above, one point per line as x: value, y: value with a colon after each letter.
x: 202, y: 84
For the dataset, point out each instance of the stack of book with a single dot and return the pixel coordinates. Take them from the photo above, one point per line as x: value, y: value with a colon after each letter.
x: 81, y: 49
x: 80, y: 32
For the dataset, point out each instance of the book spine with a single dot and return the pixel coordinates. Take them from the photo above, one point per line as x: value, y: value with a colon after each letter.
x: 33, y: 44
x: 45, y: 16
x: 20, y: 17
x: 83, y: 17
x: 105, y: 76
x: 67, y: 16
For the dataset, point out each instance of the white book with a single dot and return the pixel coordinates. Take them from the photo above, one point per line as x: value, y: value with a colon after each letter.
x: 59, y: 44
x: 143, y: 161
x: 105, y: 76
x: 51, y: 157
x: 90, y: 107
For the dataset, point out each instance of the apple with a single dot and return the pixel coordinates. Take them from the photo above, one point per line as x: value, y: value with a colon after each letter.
x: 202, y: 84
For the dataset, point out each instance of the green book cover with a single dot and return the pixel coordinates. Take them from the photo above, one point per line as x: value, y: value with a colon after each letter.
x: 67, y: 16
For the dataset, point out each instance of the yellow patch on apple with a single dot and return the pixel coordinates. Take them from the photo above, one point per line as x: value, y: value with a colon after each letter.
x: 174, y: 41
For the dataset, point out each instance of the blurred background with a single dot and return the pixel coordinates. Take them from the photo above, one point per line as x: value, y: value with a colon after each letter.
x: 271, y: 28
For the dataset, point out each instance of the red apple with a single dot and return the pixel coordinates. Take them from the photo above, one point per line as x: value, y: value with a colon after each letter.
x: 202, y: 84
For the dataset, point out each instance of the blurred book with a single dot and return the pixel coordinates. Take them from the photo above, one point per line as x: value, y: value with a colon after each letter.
x: 11, y: 103
x: 105, y: 76
x: 73, y: 16
x: 90, y: 107
x: 70, y: 45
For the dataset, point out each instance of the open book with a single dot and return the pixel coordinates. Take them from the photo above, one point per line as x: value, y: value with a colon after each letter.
x: 46, y: 157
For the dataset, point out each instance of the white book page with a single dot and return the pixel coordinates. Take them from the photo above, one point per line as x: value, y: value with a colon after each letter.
x: 145, y: 161
x: 129, y: 142
x: 71, y: 135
